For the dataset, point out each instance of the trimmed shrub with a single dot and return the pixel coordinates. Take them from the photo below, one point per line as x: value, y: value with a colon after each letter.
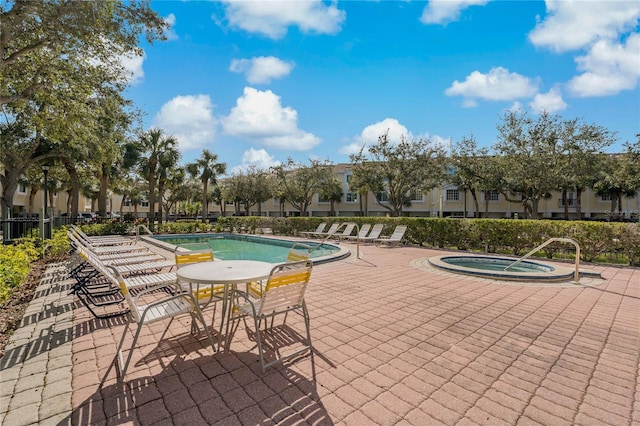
x: 14, y: 265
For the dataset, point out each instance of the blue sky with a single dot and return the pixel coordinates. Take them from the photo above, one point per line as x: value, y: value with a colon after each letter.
x: 258, y: 82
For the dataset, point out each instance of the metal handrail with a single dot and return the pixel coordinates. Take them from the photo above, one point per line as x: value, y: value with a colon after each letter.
x: 576, y: 275
x: 334, y: 232
x: 138, y: 231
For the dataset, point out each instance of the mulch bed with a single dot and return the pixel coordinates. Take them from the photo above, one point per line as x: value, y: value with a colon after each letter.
x: 12, y: 311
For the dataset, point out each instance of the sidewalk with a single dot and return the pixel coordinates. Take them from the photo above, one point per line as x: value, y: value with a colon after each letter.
x: 396, y: 342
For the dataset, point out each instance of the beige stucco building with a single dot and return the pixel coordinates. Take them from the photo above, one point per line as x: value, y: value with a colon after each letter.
x: 445, y: 201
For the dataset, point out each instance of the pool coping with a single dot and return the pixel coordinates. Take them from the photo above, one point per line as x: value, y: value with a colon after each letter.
x: 555, y: 274
x: 342, y: 253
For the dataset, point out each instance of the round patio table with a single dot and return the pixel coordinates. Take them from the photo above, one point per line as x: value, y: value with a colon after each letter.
x: 224, y: 272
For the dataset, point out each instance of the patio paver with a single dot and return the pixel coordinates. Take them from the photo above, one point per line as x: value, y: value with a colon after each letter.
x: 394, y: 344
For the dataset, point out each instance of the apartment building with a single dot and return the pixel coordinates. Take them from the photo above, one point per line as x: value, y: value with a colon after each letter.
x: 445, y: 201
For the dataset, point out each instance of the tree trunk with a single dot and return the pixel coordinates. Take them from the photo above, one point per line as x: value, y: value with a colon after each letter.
x: 579, y: 203
x: 476, y: 206
x: 151, y: 177
x: 74, y: 194
x: 205, y: 201
x: 161, y: 185
x: 565, y: 204
x: 32, y: 197
x: 102, y: 194
x: 9, y: 188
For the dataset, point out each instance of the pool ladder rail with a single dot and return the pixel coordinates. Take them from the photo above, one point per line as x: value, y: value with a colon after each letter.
x: 138, y: 231
x: 344, y: 224
x: 576, y: 274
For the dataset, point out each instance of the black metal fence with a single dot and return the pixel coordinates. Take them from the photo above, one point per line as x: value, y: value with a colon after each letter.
x: 20, y: 227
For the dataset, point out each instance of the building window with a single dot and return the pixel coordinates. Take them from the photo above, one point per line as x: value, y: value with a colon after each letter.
x: 570, y: 200
x: 351, y: 197
x: 322, y: 199
x: 605, y: 197
x: 145, y: 203
x: 383, y: 196
x: 492, y: 196
x: 22, y: 189
x: 127, y: 202
x: 453, y: 195
x: 416, y: 195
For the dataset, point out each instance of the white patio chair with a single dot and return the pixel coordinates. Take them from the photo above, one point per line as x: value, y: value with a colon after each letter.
x: 283, y: 293
x: 160, y: 307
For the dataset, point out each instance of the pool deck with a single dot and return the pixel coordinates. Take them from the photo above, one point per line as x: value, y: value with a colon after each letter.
x: 396, y: 343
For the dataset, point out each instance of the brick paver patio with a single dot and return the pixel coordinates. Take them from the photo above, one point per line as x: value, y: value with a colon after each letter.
x: 395, y: 344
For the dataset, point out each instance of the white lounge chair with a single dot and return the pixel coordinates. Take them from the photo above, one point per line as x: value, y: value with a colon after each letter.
x: 374, y: 234
x: 318, y: 230
x: 346, y: 232
x: 364, y: 230
x: 332, y: 229
x: 395, y: 238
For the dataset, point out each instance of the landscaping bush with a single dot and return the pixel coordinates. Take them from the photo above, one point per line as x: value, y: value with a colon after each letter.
x: 58, y: 245
x: 14, y: 264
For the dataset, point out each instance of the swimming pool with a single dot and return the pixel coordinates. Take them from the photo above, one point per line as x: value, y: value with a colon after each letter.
x: 227, y: 246
x: 496, y: 267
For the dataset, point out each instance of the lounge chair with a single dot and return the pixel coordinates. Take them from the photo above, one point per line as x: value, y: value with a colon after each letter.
x: 395, y: 238
x: 346, y: 232
x: 373, y: 235
x: 332, y: 229
x: 318, y: 230
x: 364, y: 229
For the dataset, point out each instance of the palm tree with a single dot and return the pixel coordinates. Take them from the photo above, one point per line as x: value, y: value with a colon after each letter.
x: 167, y: 167
x: 206, y: 169
x: 153, y: 144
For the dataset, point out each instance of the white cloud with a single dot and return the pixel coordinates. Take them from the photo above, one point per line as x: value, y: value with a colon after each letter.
x: 132, y: 64
x: 259, y: 158
x: 190, y: 119
x: 515, y: 107
x: 272, y: 18
x: 498, y: 85
x: 261, y: 69
x: 170, y: 33
x: 370, y: 134
x: 575, y: 24
x: 608, y: 68
x: 443, y: 11
x: 260, y: 115
x: 550, y: 102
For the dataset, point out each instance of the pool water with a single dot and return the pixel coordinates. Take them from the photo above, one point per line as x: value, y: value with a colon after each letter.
x: 247, y: 247
x: 495, y: 264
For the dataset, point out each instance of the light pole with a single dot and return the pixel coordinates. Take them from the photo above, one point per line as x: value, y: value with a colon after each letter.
x: 45, y: 170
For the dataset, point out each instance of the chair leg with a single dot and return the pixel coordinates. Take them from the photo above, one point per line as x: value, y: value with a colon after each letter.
x: 119, y: 360
x: 259, y: 339
x: 200, y: 316
x: 307, y: 324
x: 133, y: 345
